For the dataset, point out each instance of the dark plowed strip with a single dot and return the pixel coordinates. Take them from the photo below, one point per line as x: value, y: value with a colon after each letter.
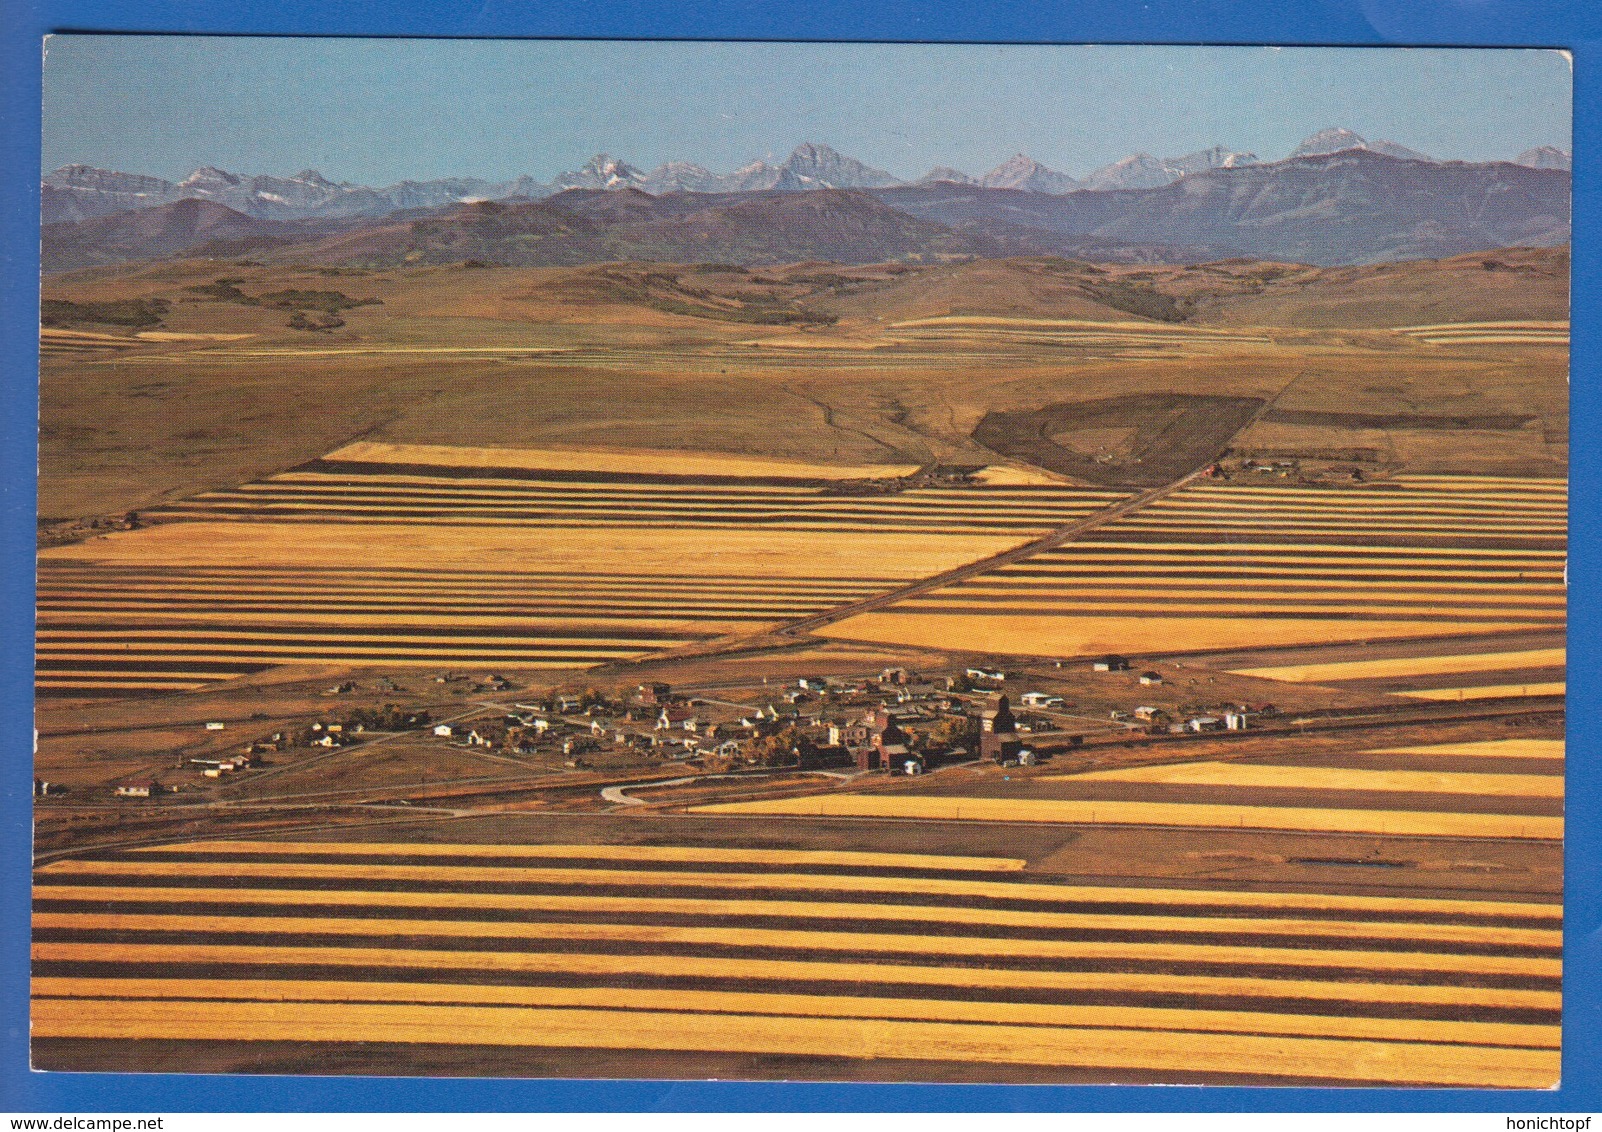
x: 220, y: 668
x: 416, y: 635
x: 388, y: 1060
x: 1166, y: 579
x: 1001, y: 959
x: 941, y: 992
x: 1243, y: 938
x: 599, y: 884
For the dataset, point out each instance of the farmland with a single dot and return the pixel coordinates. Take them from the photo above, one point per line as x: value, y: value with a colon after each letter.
x: 924, y: 959
x: 1238, y: 565
x: 367, y: 556
x: 583, y: 481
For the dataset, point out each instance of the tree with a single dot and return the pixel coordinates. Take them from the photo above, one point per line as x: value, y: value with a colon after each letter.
x: 952, y: 731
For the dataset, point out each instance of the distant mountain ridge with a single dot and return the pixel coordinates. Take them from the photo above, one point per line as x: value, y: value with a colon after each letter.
x: 80, y: 192
x: 1355, y: 205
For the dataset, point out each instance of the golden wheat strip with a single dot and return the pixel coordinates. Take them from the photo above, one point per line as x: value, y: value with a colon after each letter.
x: 792, y: 881
x: 1410, y: 666
x: 43, y: 670
x: 1315, y: 552
x: 688, y: 853
x: 1486, y: 748
x: 992, y: 917
x: 1186, y: 602
x: 646, y: 460
x: 1490, y: 691
x: 809, y: 1006
x: 1362, y: 512
x: 868, y: 974
x: 1552, y: 482
x: 1471, y: 587
x: 657, y: 527
x: 597, y: 489
x: 1318, y: 1058
x: 1161, y: 524
x: 1401, y: 488
x: 332, y: 653
x: 1392, y: 822
x: 812, y: 940
x: 954, y: 602
x: 153, y: 684
x: 1331, y: 778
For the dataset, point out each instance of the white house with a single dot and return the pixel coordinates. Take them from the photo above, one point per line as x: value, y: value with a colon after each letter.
x: 444, y: 730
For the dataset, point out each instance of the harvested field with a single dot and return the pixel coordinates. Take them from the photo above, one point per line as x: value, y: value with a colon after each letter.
x: 1162, y: 436
x: 1489, y: 691
x: 1333, y: 778
x: 1408, y: 666
x: 629, y: 461
x: 481, y: 557
x: 917, y: 957
x: 1319, y: 791
x: 1492, y: 748
x: 1240, y: 565
x: 1111, y: 812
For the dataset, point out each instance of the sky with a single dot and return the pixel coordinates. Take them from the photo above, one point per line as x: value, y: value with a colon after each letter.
x: 376, y: 111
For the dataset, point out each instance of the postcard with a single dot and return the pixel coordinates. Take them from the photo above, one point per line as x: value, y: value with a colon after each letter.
x: 824, y: 562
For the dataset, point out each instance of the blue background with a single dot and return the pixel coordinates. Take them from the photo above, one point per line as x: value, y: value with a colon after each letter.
x: 1572, y: 24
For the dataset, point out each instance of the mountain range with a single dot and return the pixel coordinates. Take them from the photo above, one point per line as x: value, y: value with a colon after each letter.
x: 80, y: 192
x: 1353, y: 205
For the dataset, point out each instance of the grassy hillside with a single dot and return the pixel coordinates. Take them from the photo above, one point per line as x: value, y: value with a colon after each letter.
x: 254, y: 368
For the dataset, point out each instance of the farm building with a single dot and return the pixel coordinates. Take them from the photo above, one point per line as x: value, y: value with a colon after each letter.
x: 998, y: 731
x: 135, y: 789
x: 986, y: 674
x: 1040, y: 699
x: 444, y: 730
x: 1149, y: 714
x: 1110, y: 664
x: 656, y: 693
x: 1149, y: 678
x: 672, y: 717
x: 1205, y: 723
x: 847, y: 734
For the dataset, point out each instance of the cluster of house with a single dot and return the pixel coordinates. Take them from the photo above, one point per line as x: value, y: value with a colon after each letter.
x: 817, y: 722
x: 1233, y: 717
